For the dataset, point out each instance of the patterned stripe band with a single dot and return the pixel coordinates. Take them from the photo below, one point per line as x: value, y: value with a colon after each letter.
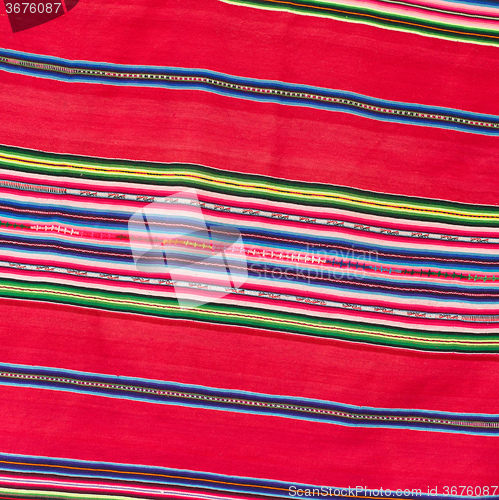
x: 154, y: 391
x: 78, y: 479
x: 248, y: 88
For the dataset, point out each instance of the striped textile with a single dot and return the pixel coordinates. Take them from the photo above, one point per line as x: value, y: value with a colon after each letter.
x: 322, y: 261
x: 250, y: 249
x: 471, y: 22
